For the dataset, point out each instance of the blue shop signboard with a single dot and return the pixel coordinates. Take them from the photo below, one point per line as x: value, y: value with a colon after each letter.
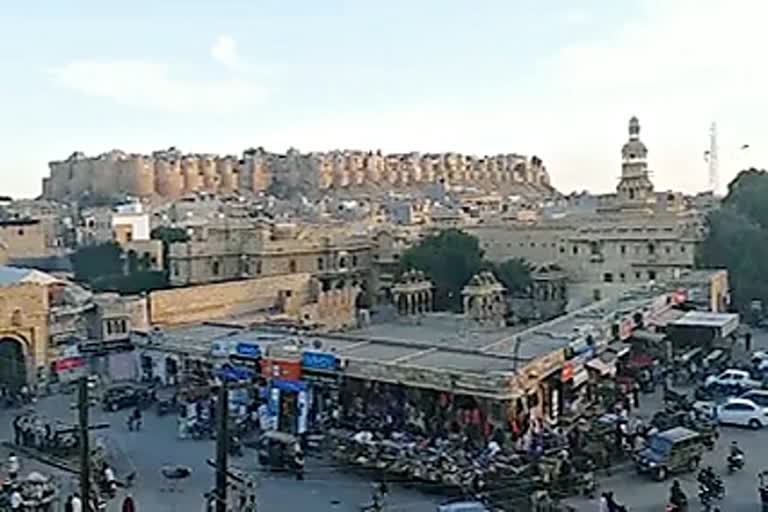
x: 319, y: 361
x: 248, y: 351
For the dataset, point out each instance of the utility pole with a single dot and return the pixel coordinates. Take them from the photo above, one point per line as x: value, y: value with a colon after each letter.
x: 222, y: 446
x: 85, y: 453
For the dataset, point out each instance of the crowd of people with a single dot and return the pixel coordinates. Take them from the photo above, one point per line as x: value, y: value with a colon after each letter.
x: 35, y: 431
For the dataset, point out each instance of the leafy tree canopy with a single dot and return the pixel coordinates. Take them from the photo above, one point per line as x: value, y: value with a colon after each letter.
x: 515, y: 274
x: 449, y: 259
x: 737, y: 238
x: 106, y: 267
x: 169, y: 235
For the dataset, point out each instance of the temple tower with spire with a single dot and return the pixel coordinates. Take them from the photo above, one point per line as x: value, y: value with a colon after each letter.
x: 635, y: 189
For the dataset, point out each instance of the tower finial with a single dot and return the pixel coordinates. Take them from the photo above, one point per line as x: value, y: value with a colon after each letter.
x: 634, y: 128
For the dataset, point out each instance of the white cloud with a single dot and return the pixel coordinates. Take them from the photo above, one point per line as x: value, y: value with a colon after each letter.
x: 149, y: 84
x: 680, y: 66
x: 224, y: 51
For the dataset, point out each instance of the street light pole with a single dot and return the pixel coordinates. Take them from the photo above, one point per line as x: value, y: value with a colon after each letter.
x: 83, y: 428
x: 222, y: 447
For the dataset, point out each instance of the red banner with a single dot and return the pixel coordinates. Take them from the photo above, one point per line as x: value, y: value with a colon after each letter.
x: 280, y: 369
x: 69, y: 363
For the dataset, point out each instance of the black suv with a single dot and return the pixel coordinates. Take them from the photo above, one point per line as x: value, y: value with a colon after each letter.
x: 674, y: 450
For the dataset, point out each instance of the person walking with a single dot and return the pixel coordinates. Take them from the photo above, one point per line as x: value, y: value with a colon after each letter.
x: 748, y: 342
x: 636, y: 394
x: 77, y: 503
x: 14, y: 466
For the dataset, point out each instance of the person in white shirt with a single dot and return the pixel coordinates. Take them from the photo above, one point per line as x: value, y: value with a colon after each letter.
x: 77, y: 504
x: 14, y: 466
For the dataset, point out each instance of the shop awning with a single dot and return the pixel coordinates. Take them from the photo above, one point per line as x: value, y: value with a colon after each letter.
x: 726, y: 323
x: 666, y: 317
x: 580, y: 377
x: 601, y: 367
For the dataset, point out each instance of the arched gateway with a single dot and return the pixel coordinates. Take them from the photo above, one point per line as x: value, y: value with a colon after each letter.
x: 13, y: 367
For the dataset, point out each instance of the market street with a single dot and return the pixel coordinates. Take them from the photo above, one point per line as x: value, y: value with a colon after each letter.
x: 642, y: 494
x: 326, y: 487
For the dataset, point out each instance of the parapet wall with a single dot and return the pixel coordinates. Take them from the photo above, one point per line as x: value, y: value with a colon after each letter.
x: 172, y: 174
x: 206, y: 302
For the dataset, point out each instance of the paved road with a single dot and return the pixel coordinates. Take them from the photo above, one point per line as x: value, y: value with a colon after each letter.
x: 642, y: 494
x: 327, y: 488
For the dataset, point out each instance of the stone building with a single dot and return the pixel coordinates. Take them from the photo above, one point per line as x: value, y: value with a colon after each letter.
x: 633, y: 237
x: 172, y: 174
x: 412, y: 294
x: 24, y: 238
x: 249, y: 250
x: 297, y: 299
x: 484, y: 301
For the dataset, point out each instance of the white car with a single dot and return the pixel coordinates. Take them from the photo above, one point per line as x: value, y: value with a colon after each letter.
x: 733, y: 378
x: 760, y: 360
x: 743, y: 412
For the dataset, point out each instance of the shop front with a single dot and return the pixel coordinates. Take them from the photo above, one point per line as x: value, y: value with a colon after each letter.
x: 288, y: 401
x: 575, y: 392
x: 321, y: 372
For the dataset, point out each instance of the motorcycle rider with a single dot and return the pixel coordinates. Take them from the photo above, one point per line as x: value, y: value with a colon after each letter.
x: 677, y: 497
x: 735, y: 458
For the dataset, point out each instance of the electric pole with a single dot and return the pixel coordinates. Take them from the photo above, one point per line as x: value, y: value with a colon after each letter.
x: 85, y: 456
x: 222, y: 446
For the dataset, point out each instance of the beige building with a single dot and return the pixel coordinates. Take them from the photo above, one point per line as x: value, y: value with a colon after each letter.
x: 24, y: 308
x: 250, y: 250
x: 24, y: 238
x: 635, y: 237
x: 171, y: 174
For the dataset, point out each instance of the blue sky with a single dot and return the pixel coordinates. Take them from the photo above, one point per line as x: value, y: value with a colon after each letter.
x: 554, y: 78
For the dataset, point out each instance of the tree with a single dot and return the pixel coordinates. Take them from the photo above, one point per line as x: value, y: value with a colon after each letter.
x: 515, y: 274
x: 449, y: 259
x: 106, y: 267
x: 93, y: 261
x: 737, y: 238
x: 168, y: 236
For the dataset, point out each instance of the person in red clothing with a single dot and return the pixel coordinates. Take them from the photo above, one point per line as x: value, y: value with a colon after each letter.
x: 128, y: 504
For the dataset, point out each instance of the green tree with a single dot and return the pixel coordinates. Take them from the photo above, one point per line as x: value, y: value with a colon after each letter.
x: 168, y: 236
x: 515, y: 274
x: 737, y: 238
x: 93, y: 261
x: 449, y: 259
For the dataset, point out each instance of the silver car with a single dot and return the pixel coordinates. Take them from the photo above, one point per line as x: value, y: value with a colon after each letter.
x: 463, y: 506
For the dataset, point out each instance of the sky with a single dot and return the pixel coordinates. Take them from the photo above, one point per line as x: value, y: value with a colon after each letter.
x: 558, y: 79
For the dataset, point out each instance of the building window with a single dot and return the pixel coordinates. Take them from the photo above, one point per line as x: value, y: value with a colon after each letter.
x: 575, y: 249
x: 354, y: 260
x: 623, y: 249
x: 682, y: 248
x: 562, y: 250
x: 652, y: 275
x: 667, y: 249
x: 258, y: 267
x: 608, y: 277
x: 215, y: 268
x: 175, y: 269
x: 292, y: 266
x: 129, y: 237
x: 533, y: 244
x: 651, y: 249
x: 622, y: 277
x: 637, y: 275
x: 320, y: 263
x: 21, y: 232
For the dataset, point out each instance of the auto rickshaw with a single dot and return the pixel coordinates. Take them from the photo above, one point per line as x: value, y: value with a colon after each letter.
x: 276, y: 450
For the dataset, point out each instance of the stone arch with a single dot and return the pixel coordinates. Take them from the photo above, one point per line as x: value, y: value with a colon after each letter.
x: 13, y: 362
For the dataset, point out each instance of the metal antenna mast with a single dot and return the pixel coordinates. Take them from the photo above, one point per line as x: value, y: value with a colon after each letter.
x: 712, y: 160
